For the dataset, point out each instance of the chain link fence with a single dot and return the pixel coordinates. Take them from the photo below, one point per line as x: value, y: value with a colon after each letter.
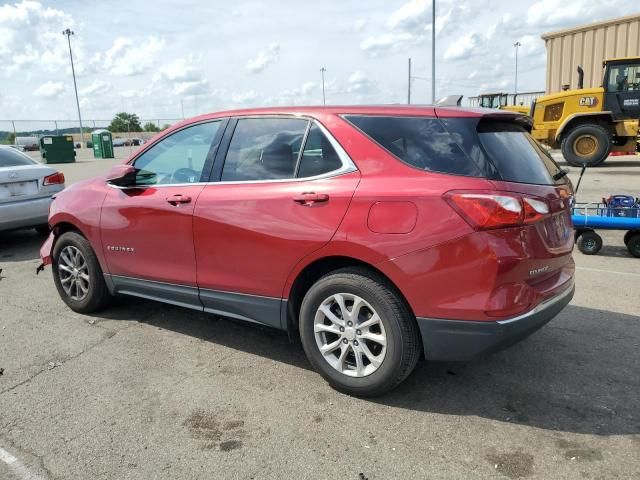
x: 16, y: 130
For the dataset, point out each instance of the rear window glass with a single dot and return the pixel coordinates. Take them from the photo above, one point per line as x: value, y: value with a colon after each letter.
x: 420, y: 142
x: 12, y: 158
x: 508, y: 147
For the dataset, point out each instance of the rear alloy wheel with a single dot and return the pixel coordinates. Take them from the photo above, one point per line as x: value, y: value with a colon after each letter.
x: 633, y: 245
x: 358, y: 333
x: 586, y: 145
x: 77, y: 274
x: 589, y: 243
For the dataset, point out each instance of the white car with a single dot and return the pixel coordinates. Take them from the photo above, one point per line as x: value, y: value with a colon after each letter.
x: 26, y: 188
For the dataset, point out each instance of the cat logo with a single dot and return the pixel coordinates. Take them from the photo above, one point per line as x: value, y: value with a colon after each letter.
x: 588, y: 101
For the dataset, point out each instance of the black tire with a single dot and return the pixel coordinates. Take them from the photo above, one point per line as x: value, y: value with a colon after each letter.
x: 634, y: 245
x: 589, y: 243
x: 593, y: 131
x: 42, y: 229
x: 403, y: 342
x: 97, y: 295
x: 629, y: 234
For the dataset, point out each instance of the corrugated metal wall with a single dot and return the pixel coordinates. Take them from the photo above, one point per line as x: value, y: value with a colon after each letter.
x: 589, y: 45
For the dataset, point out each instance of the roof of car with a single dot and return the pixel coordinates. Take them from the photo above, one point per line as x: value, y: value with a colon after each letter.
x: 399, y: 109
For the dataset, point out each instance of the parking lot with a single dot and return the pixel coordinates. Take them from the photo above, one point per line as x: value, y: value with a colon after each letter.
x: 146, y: 390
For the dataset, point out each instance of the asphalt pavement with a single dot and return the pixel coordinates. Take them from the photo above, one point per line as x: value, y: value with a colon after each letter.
x: 144, y: 390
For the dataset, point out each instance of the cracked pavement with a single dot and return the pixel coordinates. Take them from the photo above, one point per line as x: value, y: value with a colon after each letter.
x: 144, y: 390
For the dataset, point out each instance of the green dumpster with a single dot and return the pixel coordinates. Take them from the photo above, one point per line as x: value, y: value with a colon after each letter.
x: 57, y: 149
x: 102, y: 144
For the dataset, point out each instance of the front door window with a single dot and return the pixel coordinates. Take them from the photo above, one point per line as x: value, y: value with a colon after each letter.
x: 179, y: 158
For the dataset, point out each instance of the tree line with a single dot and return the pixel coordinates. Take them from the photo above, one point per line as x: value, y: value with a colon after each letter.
x: 130, y: 122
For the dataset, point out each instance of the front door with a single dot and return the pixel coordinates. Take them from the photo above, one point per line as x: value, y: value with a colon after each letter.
x: 147, y: 230
x: 622, y: 95
x: 278, y: 200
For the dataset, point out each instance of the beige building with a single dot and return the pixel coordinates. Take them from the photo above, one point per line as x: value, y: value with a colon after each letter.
x: 588, y: 45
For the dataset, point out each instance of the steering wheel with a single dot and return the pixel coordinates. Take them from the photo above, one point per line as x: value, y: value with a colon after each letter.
x: 185, y: 175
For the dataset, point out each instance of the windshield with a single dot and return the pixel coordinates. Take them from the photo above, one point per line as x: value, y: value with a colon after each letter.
x: 10, y: 157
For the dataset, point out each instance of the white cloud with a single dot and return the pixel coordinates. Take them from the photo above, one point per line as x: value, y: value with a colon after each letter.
x: 557, y: 13
x: 358, y: 82
x: 412, y: 16
x: 463, y: 47
x: 49, y: 89
x: 125, y: 58
x: 308, y: 88
x: 30, y: 35
x: 97, y: 86
x: 181, y: 77
x: 244, y: 97
x: 264, y: 58
x: 359, y: 25
x: 388, y: 41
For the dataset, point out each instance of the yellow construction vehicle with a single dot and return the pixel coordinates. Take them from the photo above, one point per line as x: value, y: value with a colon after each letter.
x: 501, y: 101
x: 588, y: 124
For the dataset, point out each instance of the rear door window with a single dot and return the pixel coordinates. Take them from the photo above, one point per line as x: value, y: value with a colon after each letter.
x: 319, y: 156
x: 264, y: 149
x: 420, y: 142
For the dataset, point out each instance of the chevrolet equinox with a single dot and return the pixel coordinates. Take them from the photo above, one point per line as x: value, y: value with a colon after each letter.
x: 379, y: 235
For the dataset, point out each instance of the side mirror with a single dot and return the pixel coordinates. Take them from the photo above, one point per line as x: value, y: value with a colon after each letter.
x: 122, y: 176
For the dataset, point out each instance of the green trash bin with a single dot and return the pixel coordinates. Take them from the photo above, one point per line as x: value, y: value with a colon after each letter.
x: 57, y: 149
x: 102, y: 141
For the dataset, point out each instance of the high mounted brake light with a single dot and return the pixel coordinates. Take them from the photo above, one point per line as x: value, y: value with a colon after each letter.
x: 485, y: 211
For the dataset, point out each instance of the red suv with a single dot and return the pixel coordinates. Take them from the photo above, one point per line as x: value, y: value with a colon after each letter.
x: 380, y: 234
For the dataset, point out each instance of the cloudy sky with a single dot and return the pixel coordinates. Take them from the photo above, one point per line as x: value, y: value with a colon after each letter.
x: 149, y: 56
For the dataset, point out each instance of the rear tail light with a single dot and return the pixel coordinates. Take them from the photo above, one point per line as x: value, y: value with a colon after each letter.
x: 54, y: 179
x: 484, y: 211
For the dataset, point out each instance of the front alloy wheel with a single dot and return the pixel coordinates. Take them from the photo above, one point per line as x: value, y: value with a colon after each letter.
x: 73, y: 272
x: 350, y: 335
x: 77, y: 274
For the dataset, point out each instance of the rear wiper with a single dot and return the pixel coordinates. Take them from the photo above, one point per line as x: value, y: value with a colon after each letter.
x: 561, y: 174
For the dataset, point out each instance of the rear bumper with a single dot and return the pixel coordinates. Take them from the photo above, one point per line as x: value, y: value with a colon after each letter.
x: 461, y: 340
x: 24, y: 213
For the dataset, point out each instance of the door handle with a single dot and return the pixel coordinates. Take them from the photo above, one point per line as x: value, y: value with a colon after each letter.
x: 307, y: 199
x: 177, y: 199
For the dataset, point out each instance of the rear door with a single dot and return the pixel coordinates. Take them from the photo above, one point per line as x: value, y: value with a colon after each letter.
x: 280, y: 193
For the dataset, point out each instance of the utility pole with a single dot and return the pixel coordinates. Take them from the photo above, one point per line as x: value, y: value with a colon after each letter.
x: 324, y: 99
x: 68, y: 32
x: 515, y: 88
x: 433, y: 55
x: 15, y: 135
x: 409, y: 84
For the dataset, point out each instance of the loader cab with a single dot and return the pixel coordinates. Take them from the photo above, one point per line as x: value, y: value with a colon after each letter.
x: 493, y: 100
x: 622, y: 87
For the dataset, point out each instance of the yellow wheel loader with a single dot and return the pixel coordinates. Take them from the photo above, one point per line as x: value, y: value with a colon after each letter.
x: 587, y: 124
x: 500, y: 100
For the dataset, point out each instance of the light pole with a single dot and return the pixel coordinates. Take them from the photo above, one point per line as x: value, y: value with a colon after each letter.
x: 409, y: 84
x: 515, y: 88
x: 433, y: 55
x: 68, y: 32
x: 324, y: 100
